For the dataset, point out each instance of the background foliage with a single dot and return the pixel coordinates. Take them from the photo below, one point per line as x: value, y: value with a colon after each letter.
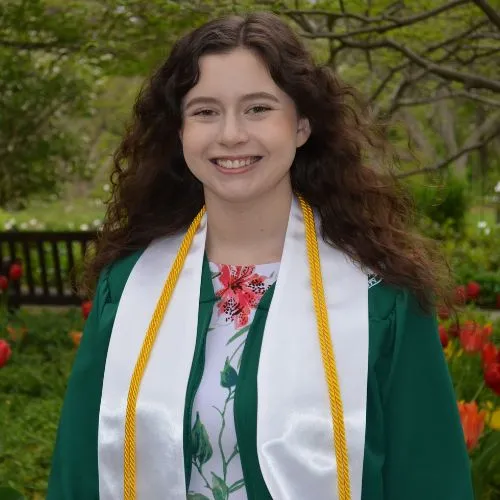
x: 69, y: 74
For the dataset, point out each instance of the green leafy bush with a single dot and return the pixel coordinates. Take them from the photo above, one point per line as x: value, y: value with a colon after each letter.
x: 32, y: 386
x: 446, y: 203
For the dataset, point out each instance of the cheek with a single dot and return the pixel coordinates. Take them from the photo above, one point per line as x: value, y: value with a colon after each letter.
x: 195, y: 139
x: 282, y: 129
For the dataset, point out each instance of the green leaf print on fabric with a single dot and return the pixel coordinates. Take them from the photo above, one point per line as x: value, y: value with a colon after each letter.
x: 228, y: 376
x: 239, y: 333
x: 197, y: 496
x: 202, y: 449
x: 219, y: 488
x: 237, y: 485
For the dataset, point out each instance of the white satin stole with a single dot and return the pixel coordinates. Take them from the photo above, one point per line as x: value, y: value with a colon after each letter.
x: 294, y: 424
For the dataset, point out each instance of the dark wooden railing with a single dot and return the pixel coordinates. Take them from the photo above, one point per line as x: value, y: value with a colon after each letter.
x: 52, y: 264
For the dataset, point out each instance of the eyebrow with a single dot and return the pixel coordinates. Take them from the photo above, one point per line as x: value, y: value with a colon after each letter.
x: 246, y: 97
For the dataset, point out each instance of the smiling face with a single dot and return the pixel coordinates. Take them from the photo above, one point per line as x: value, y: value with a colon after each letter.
x: 240, y: 130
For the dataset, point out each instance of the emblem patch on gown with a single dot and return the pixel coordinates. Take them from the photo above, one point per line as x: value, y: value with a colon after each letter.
x: 373, y: 279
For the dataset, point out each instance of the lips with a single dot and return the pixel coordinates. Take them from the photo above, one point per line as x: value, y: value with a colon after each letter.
x: 234, y: 163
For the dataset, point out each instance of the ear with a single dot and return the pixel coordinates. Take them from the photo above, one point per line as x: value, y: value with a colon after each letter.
x: 303, y: 131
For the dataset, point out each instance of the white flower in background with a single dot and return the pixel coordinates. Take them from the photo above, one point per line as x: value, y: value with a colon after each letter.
x: 84, y: 227
x: 487, y: 231
x: 24, y: 225
x: 33, y: 222
x: 97, y: 223
x: 120, y: 9
x: 8, y: 225
x: 106, y: 188
x: 497, y: 187
x: 482, y: 224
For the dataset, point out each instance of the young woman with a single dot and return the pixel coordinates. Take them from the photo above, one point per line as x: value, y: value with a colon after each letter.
x: 263, y: 323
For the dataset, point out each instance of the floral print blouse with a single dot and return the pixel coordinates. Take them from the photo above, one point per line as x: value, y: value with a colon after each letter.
x: 216, y: 467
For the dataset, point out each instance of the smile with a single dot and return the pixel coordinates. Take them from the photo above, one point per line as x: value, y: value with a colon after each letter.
x: 235, y: 163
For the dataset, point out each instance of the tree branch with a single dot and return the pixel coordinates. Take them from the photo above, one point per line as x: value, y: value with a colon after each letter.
x: 469, y: 80
x: 451, y: 159
x: 428, y: 50
x: 490, y: 12
x: 18, y: 44
x: 451, y: 95
x: 396, y: 23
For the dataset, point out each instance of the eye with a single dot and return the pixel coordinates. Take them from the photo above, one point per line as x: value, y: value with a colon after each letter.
x: 258, y: 109
x: 204, y: 112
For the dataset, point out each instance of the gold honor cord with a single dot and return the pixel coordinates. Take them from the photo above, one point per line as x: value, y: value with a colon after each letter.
x: 343, y: 483
x: 329, y: 365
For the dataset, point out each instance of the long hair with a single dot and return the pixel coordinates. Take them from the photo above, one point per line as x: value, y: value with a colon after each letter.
x: 363, y: 210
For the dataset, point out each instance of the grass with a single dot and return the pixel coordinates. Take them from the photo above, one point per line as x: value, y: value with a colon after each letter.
x: 76, y: 214
x: 88, y: 212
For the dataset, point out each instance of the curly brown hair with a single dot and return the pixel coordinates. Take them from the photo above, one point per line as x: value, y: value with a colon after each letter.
x: 363, y: 210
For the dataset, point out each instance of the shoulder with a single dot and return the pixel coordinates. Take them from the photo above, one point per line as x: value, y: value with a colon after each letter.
x: 114, y: 277
x: 382, y: 297
x: 386, y: 300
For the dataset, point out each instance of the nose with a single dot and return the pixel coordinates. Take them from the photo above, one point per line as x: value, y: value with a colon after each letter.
x: 232, y: 131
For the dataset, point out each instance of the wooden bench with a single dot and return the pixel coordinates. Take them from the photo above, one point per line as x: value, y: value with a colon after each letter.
x: 52, y: 263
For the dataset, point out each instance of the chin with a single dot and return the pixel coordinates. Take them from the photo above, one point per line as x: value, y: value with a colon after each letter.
x: 234, y: 196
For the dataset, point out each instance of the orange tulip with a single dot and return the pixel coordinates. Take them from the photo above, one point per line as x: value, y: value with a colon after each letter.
x: 16, y: 334
x: 472, y: 423
x: 76, y: 337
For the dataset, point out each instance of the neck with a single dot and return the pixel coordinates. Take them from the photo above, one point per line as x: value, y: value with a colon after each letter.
x: 248, y: 232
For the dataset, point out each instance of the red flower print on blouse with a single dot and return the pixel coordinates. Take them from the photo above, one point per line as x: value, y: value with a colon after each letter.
x: 241, y: 291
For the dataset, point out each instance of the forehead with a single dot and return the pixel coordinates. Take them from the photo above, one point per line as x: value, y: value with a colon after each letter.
x: 229, y: 75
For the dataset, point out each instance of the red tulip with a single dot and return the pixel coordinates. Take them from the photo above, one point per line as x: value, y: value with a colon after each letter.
x: 472, y: 290
x: 86, y: 308
x: 488, y: 329
x: 15, y: 272
x: 443, y: 313
x: 474, y: 336
x: 4, y: 283
x: 454, y: 330
x: 489, y: 354
x: 5, y: 352
x: 443, y: 336
x: 460, y: 295
x: 492, y: 377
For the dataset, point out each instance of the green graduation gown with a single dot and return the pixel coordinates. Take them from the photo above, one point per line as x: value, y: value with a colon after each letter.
x: 414, y: 446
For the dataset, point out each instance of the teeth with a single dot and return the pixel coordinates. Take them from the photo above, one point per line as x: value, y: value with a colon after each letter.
x: 236, y: 163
